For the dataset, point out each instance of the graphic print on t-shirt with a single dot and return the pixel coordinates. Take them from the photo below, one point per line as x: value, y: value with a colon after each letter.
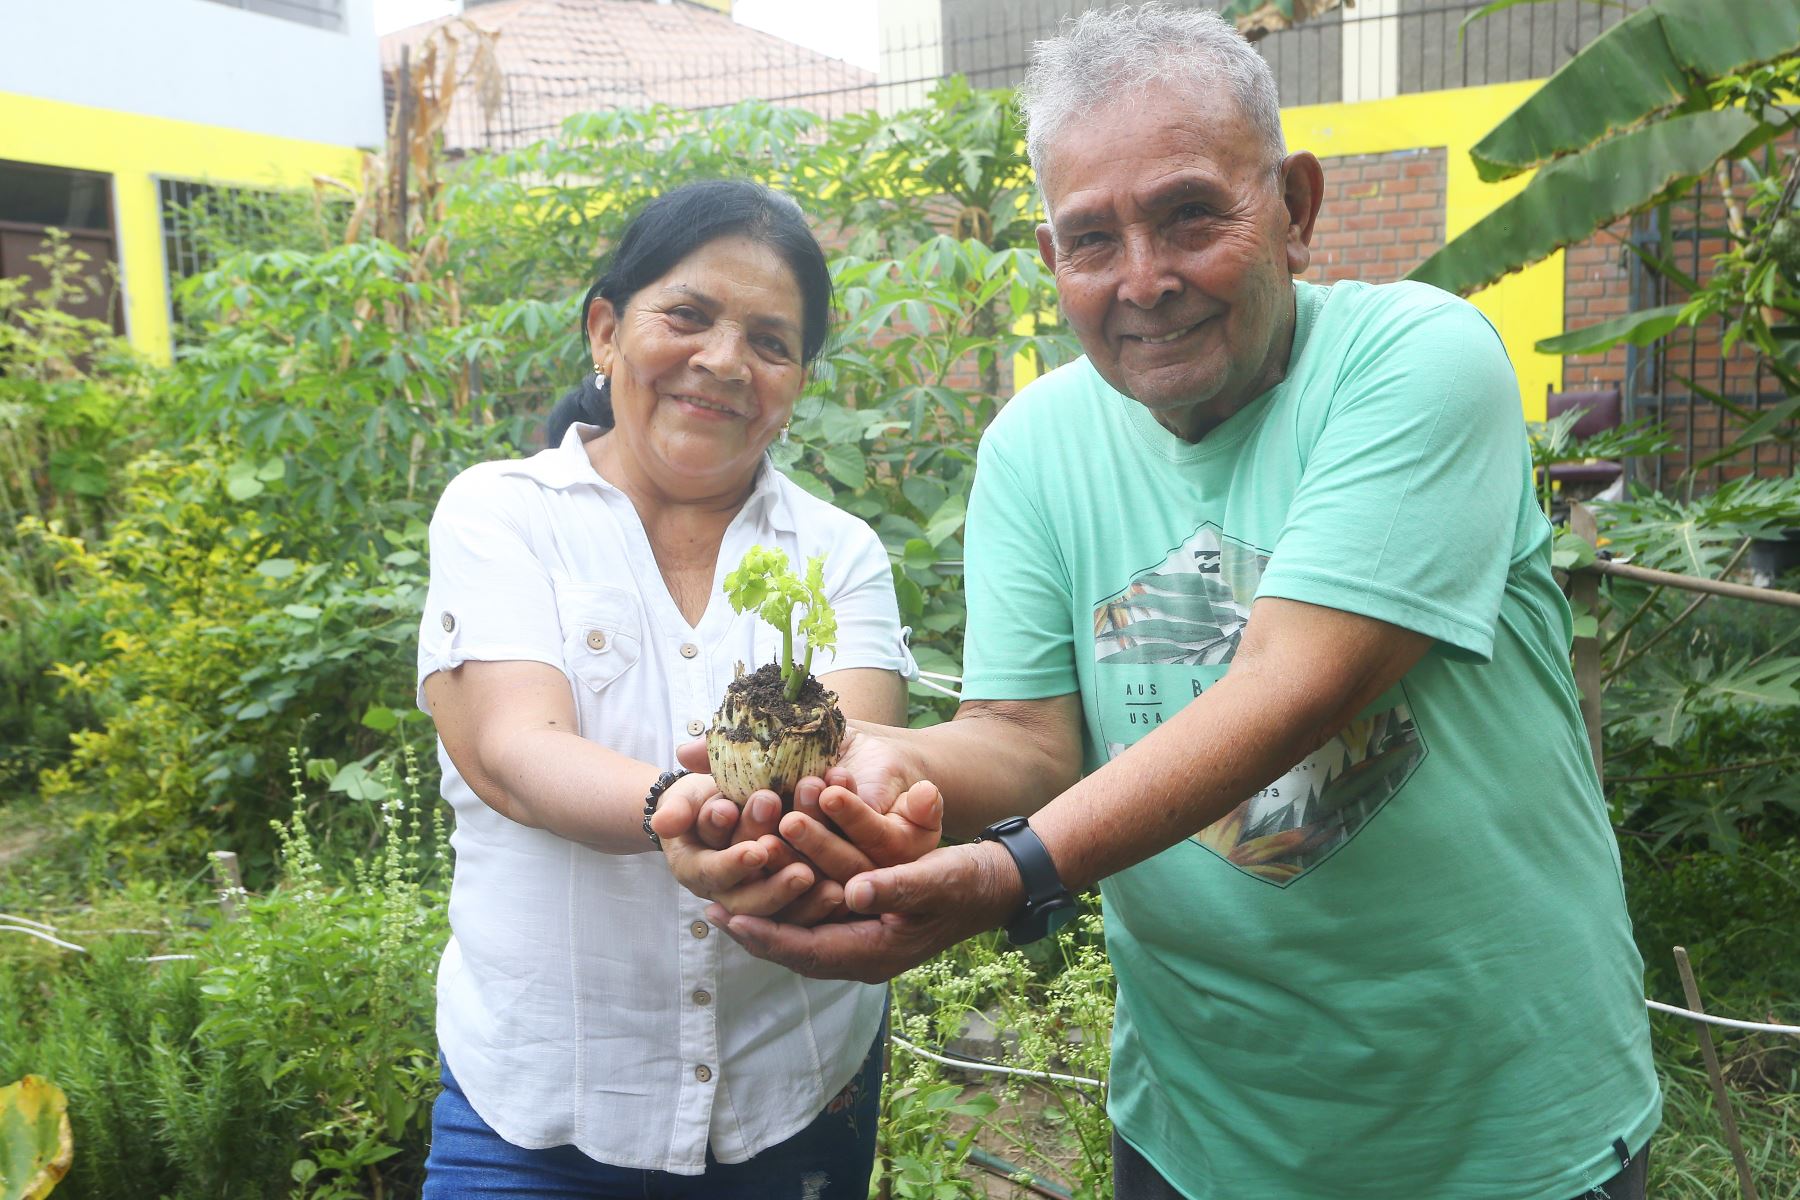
x: 1168, y: 636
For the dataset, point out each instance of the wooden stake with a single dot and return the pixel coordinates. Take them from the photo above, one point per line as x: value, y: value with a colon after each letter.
x: 231, y: 882
x: 402, y: 147
x: 1746, y: 1183
x: 1584, y: 590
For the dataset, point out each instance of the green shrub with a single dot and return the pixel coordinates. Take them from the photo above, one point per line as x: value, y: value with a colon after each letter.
x: 1051, y: 1011
x: 217, y: 648
x: 71, y: 403
x: 293, y: 1056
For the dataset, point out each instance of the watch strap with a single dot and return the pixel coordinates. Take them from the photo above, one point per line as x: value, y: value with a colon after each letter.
x: 1045, y: 894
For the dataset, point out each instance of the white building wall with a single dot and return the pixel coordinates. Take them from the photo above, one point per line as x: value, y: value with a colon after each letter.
x: 201, y: 61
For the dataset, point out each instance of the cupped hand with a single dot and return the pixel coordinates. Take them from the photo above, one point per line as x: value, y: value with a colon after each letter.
x: 872, y: 763
x: 864, y: 817
x: 734, y: 859
x: 925, y: 906
x: 855, y: 837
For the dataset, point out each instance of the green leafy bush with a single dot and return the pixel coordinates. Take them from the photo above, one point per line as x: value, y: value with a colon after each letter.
x: 1051, y: 1011
x: 214, y: 649
x: 72, y: 397
x: 1702, y: 699
x: 291, y: 1056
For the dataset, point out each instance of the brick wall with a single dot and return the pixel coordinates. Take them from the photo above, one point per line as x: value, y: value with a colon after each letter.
x: 1596, y: 287
x: 1381, y: 216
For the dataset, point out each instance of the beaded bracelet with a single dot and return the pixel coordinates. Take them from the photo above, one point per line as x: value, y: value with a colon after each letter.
x: 663, y: 783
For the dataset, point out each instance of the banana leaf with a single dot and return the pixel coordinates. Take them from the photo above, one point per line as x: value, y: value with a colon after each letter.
x: 1654, y: 60
x: 1569, y: 199
x: 36, y: 1146
x: 1167, y: 653
x: 1155, y: 630
x: 1636, y: 329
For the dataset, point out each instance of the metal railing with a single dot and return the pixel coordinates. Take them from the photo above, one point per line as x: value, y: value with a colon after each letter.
x: 1383, y: 47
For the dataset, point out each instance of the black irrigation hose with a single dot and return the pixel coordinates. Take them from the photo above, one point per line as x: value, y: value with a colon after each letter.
x: 993, y: 1164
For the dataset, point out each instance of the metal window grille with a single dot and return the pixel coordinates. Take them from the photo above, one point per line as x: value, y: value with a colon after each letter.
x: 1675, y: 381
x: 201, y: 219
x: 990, y: 42
x: 181, y: 254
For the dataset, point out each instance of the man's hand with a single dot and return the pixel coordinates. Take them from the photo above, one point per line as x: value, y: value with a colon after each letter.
x: 878, y: 768
x: 874, y: 766
x: 853, y: 837
x: 926, y: 906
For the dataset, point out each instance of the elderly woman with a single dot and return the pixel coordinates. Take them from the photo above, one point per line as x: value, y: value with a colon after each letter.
x: 598, y: 1038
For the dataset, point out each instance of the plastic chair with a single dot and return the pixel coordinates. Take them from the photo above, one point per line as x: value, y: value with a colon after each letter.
x: 1605, y: 410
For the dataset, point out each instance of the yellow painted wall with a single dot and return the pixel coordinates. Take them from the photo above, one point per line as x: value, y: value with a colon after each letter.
x: 135, y: 151
x: 1524, y: 307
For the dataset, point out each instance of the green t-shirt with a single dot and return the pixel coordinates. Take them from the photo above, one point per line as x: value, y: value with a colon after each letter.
x: 1405, y: 969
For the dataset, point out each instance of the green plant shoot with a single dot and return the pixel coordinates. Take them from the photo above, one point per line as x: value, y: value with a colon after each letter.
x: 764, y: 583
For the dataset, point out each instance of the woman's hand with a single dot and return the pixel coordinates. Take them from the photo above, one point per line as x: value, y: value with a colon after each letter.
x: 736, y: 859
x: 865, y: 817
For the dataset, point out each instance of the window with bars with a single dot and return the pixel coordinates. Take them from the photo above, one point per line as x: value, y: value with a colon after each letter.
x: 203, y: 223
x: 322, y: 14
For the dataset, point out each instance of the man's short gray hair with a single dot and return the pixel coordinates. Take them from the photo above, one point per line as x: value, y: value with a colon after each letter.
x: 1109, y: 54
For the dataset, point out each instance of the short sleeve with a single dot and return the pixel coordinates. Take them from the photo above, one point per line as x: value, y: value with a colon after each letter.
x: 490, y: 599
x: 1020, y: 644
x: 860, y: 586
x: 1410, y: 496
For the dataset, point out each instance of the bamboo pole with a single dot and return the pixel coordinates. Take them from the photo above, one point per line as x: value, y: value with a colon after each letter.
x: 1746, y: 1182
x: 1690, y: 583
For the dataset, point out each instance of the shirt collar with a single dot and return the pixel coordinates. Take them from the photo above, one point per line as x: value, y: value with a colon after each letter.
x: 566, y: 466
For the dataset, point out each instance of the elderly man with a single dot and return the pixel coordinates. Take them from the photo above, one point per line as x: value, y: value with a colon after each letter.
x: 1265, y: 565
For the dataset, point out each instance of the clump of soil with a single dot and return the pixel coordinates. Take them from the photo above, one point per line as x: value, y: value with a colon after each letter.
x: 762, y: 739
x: 763, y: 692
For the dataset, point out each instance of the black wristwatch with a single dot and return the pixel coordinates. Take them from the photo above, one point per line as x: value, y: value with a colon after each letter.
x: 1048, y: 905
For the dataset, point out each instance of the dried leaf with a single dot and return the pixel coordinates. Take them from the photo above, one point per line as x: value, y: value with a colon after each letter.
x: 1269, y: 18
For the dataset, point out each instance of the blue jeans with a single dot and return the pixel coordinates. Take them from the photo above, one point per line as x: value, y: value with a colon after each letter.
x: 831, y: 1159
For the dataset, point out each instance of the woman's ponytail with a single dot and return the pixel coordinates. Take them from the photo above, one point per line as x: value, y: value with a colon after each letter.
x: 587, y: 403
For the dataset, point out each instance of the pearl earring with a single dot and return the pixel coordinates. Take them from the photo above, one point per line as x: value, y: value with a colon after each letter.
x: 784, y: 433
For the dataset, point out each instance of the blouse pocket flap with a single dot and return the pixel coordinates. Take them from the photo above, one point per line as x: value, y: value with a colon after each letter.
x: 602, y: 635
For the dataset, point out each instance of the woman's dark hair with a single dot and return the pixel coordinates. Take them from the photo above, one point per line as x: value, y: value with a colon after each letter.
x: 673, y: 226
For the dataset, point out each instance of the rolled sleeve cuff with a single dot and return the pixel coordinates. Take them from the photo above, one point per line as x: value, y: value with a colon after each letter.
x: 447, y: 654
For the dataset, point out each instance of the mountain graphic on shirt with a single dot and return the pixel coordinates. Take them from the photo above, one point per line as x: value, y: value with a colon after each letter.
x: 1169, y: 634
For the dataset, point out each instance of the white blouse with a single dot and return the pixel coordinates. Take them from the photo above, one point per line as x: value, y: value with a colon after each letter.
x: 583, y: 998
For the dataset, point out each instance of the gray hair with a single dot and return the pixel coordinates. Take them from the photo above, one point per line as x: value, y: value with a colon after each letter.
x: 1109, y: 54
